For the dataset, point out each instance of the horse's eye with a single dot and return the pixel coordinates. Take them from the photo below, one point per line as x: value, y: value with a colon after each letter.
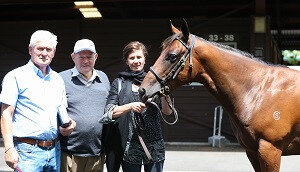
x: 172, y: 57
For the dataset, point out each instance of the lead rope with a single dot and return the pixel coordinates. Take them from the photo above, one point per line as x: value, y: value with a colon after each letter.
x: 144, y: 146
x: 171, y: 105
x: 139, y: 122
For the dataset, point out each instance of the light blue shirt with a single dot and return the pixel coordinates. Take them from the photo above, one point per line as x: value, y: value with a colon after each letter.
x: 36, y: 99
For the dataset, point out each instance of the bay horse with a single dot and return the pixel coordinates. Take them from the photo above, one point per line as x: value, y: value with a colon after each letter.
x: 262, y: 100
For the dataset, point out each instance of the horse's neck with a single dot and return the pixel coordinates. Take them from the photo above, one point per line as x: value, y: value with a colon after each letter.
x: 227, y: 74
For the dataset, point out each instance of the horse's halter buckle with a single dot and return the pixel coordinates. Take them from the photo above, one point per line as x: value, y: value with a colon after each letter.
x: 165, y: 90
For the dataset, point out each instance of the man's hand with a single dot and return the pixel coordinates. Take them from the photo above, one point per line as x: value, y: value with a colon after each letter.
x: 68, y: 130
x: 12, y: 158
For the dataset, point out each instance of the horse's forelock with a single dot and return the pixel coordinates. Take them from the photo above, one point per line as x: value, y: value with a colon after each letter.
x: 168, y: 41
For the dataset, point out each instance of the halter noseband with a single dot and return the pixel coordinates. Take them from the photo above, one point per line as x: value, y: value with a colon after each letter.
x: 178, y: 67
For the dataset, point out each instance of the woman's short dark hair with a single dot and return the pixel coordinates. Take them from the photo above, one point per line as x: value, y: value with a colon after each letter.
x: 134, y: 45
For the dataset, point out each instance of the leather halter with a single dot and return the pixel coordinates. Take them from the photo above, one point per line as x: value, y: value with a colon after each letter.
x: 178, y: 67
x: 165, y: 90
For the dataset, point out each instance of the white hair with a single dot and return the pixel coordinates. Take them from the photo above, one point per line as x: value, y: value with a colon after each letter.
x: 43, y: 35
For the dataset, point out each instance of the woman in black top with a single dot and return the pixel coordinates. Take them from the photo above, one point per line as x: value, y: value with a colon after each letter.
x: 122, y: 145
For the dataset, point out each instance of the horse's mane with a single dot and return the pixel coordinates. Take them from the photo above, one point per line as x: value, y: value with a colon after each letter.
x: 170, y: 39
x: 226, y: 47
x: 246, y: 54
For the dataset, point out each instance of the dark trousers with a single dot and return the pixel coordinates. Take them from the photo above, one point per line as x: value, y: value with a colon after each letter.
x: 112, y: 142
x: 113, y: 161
x: 153, y: 167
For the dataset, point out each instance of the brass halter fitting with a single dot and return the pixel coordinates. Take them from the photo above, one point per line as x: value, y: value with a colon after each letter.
x: 165, y: 90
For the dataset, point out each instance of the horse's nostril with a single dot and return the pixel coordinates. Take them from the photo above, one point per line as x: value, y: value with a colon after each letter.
x: 142, y: 94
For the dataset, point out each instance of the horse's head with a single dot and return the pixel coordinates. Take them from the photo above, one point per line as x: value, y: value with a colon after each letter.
x: 173, y: 67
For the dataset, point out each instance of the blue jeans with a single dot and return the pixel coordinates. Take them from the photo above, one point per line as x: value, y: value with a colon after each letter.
x: 153, y: 167
x: 33, y: 158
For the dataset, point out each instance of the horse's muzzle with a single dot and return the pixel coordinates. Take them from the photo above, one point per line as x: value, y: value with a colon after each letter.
x: 142, y: 94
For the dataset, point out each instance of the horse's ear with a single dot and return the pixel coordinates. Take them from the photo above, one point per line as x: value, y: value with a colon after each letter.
x: 185, y: 29
x: 173, y: 28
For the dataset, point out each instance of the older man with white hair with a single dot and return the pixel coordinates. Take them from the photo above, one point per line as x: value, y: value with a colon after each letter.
x: 30, y: 101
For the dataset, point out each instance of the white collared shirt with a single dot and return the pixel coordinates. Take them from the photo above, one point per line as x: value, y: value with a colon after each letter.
x: 82, y: 78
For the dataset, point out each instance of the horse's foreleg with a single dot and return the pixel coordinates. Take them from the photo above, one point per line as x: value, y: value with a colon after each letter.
x: 269, y: 156
x: 253, y: 157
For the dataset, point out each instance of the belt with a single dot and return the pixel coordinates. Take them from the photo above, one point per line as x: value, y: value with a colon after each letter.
x: 41, y: 143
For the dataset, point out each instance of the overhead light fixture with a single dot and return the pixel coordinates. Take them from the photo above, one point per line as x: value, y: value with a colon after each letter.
x: 87, y: 9
x: 90, y: 12
x: 83, y: 3
x: 91, y: 15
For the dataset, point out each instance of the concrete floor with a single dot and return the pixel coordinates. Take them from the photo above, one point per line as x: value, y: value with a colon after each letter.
x: 203, y: 158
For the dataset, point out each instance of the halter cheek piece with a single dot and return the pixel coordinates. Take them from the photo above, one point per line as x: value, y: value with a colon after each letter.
x: 165, y: 90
